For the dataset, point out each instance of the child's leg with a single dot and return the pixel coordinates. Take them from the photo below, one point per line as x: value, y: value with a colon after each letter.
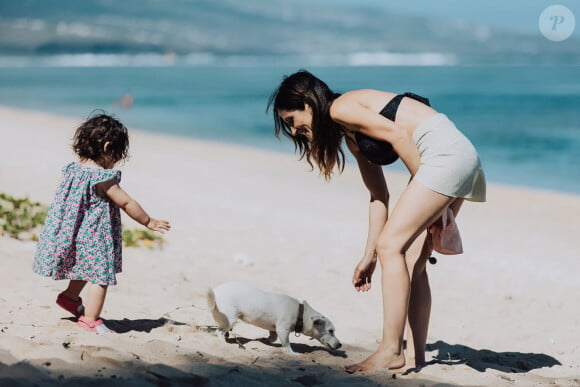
x: 94, y: 301
x: 69, y: 299
x: 94, y: 306
x: 74, y: 289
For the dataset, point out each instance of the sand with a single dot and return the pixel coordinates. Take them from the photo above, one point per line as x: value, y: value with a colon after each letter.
x: 504, y: 313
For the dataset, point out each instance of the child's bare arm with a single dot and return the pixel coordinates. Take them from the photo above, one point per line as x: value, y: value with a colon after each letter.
x: 122, y: 199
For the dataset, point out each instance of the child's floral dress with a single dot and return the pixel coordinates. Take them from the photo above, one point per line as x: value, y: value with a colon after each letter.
x: 81, y: 237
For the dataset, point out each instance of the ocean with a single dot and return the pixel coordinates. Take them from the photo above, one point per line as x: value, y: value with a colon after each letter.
x: 524, y: 120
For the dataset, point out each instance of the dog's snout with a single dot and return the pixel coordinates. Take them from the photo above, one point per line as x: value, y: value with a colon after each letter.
x: 336, y: 345
x: 332, y: 343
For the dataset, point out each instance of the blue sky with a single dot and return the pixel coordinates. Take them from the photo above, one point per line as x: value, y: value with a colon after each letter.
x: 519, y: 15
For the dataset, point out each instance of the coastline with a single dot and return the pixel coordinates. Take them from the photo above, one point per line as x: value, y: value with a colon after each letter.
x: 503, y: 312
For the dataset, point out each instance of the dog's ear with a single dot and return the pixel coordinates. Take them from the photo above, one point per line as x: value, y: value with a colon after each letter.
x: 317, y: 321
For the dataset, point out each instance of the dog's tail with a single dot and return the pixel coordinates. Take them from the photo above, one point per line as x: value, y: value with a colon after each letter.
x: 221, y: 319
x: 211, y: 300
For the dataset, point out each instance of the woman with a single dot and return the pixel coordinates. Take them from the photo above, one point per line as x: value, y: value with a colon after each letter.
x: 378, y: 127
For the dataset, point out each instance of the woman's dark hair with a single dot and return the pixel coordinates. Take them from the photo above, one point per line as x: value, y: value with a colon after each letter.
x: 293, y: 93
x: 99, y: 129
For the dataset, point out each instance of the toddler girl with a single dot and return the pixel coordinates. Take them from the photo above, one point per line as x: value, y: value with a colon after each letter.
x: 81, y: 238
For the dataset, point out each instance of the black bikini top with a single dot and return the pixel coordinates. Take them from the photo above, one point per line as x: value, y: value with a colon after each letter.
x: 382, y: 152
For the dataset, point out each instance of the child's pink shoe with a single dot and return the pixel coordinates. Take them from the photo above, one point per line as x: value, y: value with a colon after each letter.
x: 74, y: 307
x: 95, y: 326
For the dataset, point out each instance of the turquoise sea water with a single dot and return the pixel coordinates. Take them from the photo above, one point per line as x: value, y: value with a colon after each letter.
x: 524, y: 120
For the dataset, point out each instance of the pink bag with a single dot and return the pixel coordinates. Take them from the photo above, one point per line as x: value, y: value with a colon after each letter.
x: 445, y: 234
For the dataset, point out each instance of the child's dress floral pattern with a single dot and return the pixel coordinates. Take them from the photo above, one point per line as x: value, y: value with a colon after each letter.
x: 81, y: 238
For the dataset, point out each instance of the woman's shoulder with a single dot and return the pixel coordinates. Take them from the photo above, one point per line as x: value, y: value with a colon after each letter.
x: 365, y: 97
x: 343, y: 103
x: 371, y: 99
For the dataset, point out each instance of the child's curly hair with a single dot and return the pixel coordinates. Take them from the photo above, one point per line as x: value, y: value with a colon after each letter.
x: 99, y: 129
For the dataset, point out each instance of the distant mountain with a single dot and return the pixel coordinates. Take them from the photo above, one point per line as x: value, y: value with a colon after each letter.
x: 269, y: 28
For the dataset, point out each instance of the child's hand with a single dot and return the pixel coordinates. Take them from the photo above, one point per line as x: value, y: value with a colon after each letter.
x: 158, y: 225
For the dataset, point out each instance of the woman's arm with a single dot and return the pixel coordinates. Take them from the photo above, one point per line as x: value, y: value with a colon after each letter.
x: 350, y: 113
x: 374, y: 180
x: 122, y: 199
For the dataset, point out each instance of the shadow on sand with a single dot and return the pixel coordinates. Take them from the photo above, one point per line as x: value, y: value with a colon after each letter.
x: 483, y: 359
x: 197, y: 369
x: 147, y: 325
x: 141, y: 325
x: 296, y: 347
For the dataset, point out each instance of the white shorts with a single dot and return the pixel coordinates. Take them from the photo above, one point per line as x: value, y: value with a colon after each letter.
x: 449, y: 162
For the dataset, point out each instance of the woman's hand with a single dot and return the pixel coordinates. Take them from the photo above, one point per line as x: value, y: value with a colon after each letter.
x: 363, y: 272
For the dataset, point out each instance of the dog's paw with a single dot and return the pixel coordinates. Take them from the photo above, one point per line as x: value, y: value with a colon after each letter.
x: 289, y: 350
x: 222, y: 334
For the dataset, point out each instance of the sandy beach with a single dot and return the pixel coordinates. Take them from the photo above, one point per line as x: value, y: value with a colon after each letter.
x: 505, y: 313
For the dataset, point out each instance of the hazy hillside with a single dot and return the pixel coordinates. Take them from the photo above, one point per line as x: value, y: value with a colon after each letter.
x: 256, y: 27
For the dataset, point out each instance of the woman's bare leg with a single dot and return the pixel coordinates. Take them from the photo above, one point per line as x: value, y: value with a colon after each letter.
x: 417, y: 208
x: 420, y: 298
x: 419, y: 302
x: 456, y: 206
x: 95, y: 299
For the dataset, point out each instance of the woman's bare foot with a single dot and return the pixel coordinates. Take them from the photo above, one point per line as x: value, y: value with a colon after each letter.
x: 410, y: 364
x: 378, y: 360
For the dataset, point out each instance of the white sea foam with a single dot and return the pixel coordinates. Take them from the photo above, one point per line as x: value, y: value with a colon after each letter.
x: 209, y: 59
x: 401, y: 59
x: 88, y: 60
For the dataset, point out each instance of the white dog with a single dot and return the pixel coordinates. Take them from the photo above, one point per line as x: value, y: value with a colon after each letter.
x: 278, y: 313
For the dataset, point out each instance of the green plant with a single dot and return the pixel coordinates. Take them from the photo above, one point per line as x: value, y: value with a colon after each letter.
x: 142, y: 238
x: 21, y: 218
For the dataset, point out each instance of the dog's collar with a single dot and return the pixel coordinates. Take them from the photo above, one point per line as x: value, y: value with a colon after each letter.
x: 300, y: 320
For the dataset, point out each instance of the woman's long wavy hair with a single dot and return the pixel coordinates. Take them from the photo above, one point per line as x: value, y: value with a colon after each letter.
x: 325, y: 148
